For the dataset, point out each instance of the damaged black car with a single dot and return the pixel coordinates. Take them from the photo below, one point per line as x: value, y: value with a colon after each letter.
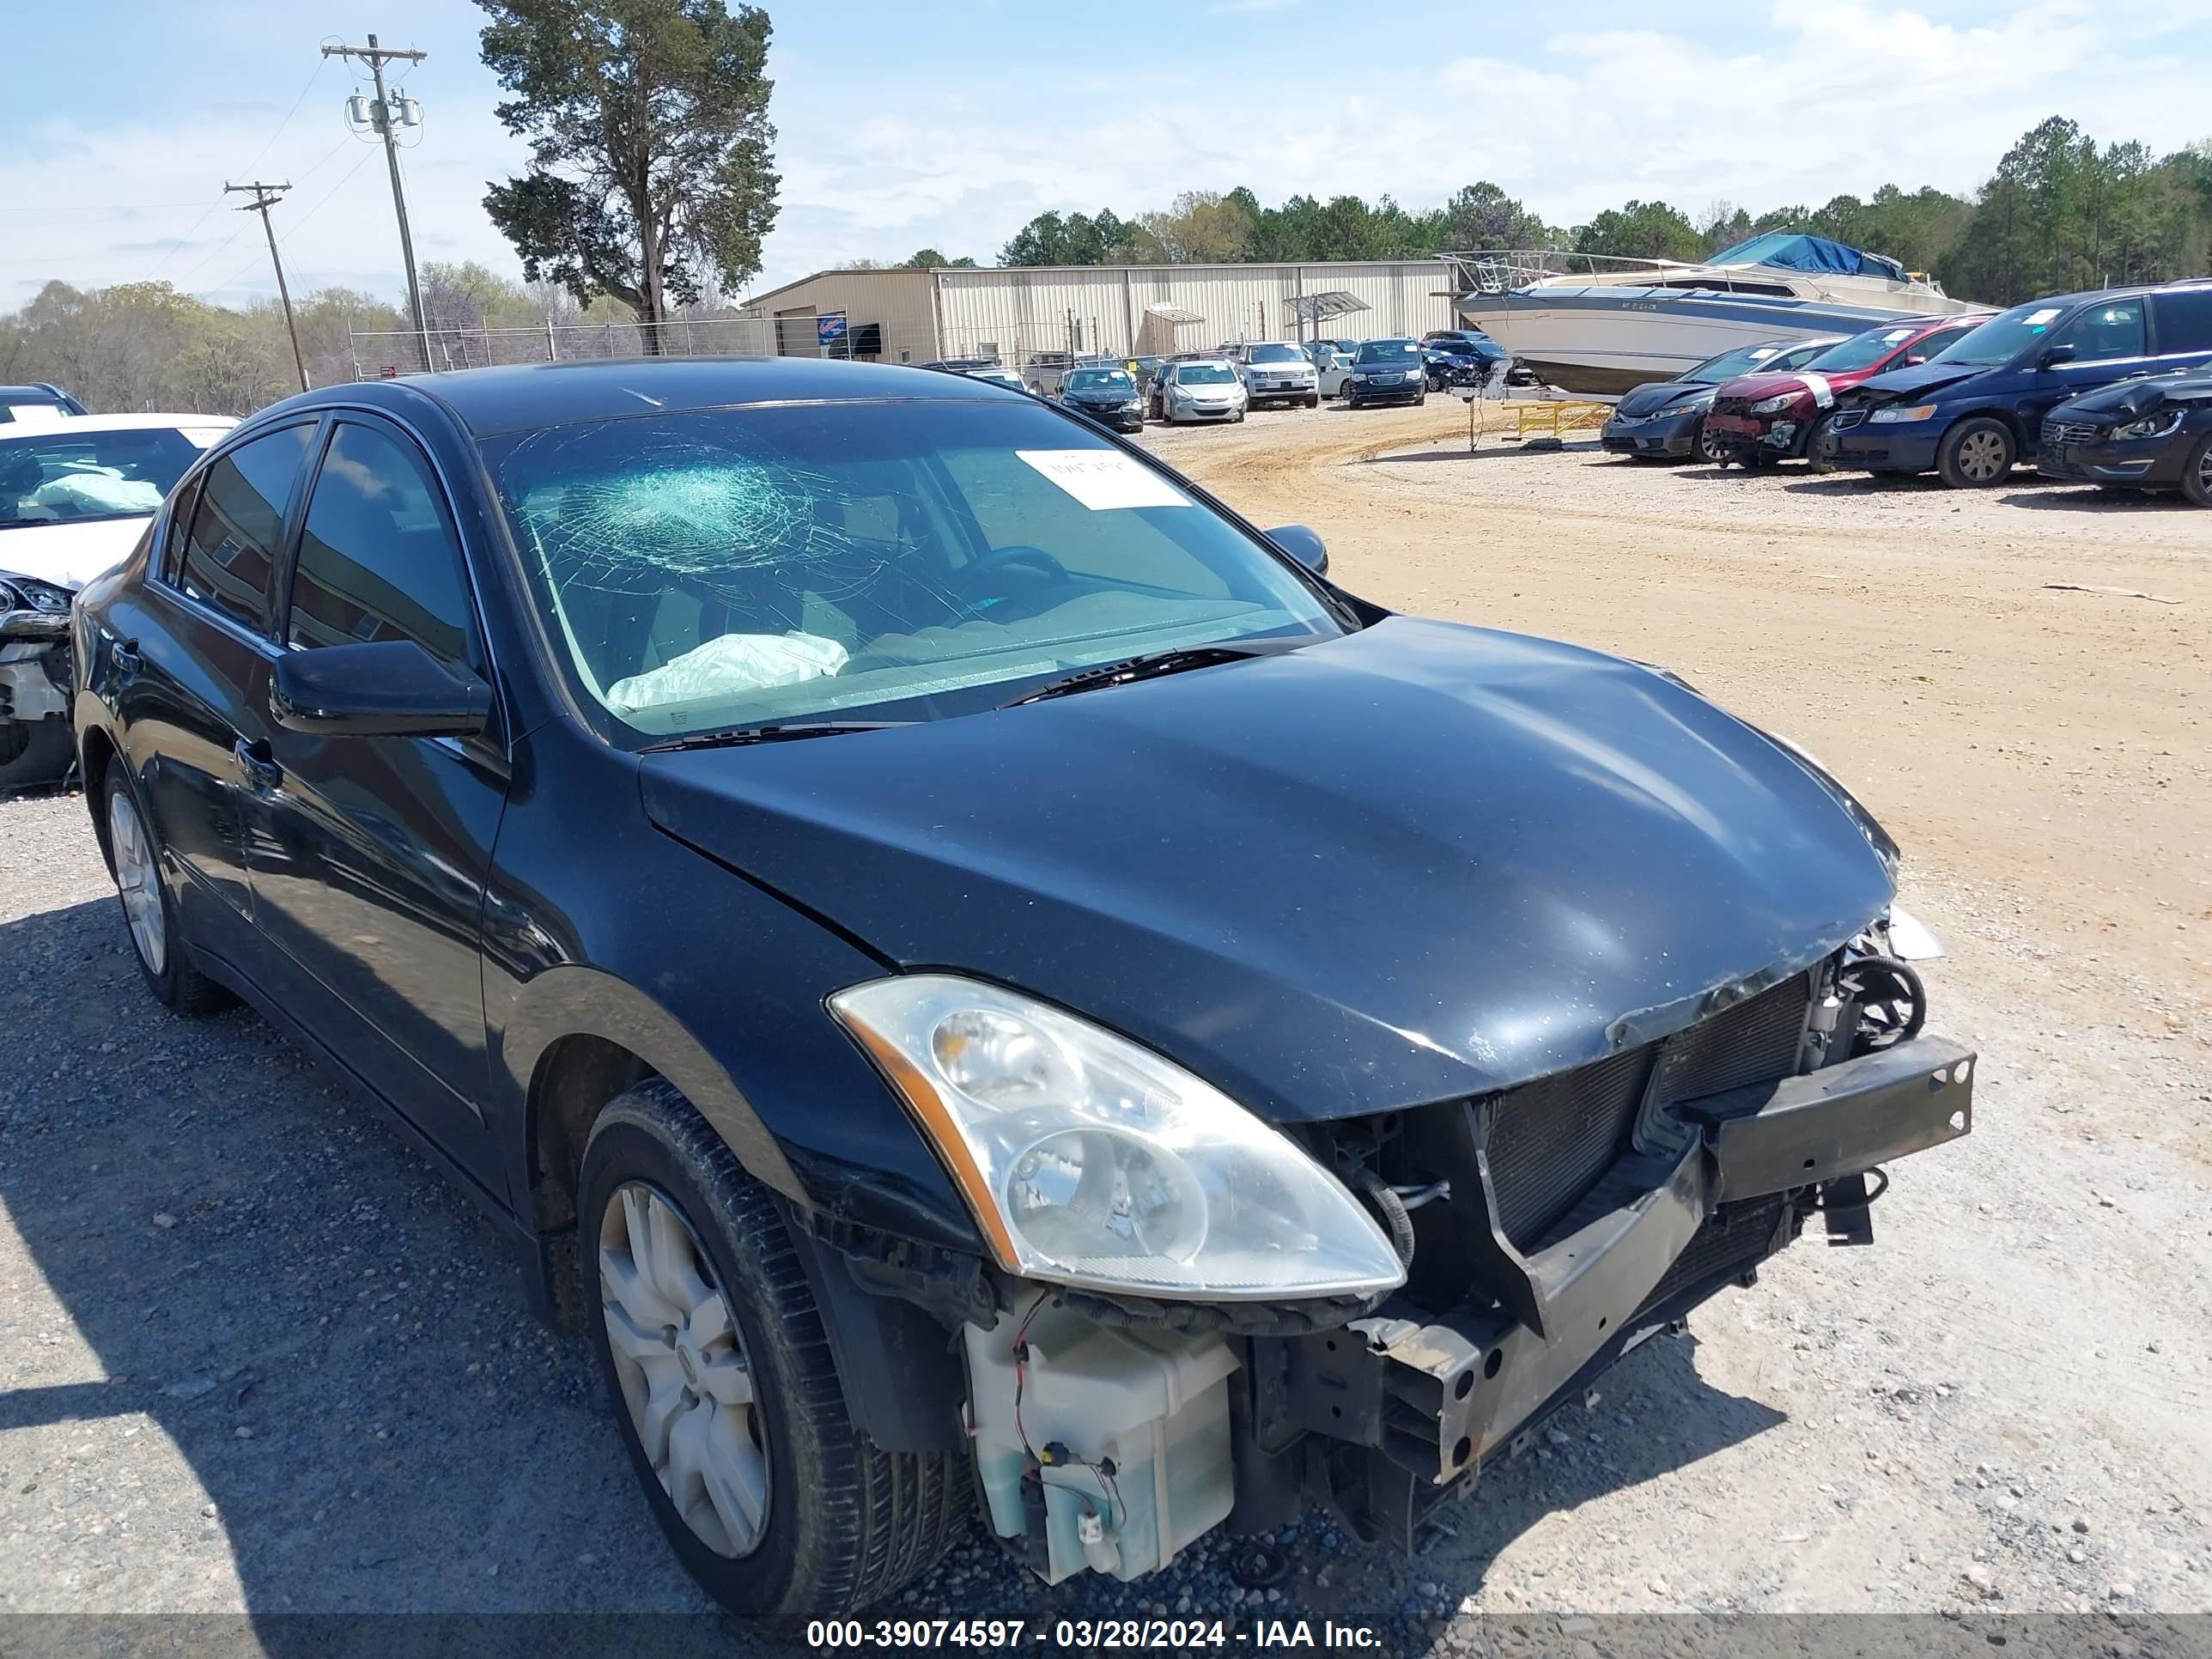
x: 972, y: 972
x: 2148, y: 435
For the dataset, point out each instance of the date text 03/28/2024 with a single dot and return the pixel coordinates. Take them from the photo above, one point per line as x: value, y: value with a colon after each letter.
x: 1166, y: 1634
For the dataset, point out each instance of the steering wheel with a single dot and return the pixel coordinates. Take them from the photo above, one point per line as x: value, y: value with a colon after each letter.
x: 1020, y: 553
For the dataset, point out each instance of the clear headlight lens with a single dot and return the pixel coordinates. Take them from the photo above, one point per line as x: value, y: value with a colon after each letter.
x: 2151, y: 426
x: 1775, y: 404
x: 1891, y: 414
x: 1088, y: 1160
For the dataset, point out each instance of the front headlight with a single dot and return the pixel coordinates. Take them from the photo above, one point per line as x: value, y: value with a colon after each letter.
x: 29, y: 592
x: 1776, y: 404
x: 2151, y: 426
x: 1090, y: 1161
x: 1891, y: 414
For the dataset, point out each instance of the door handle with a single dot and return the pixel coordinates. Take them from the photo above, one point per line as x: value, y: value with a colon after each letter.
x: 127, y: 660
x: 259, y: 761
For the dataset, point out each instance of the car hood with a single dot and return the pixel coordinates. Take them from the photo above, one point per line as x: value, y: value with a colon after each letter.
x: 1416, y: 862
x: 1647, y: 400
x: 68, y: 555
x: 1755, y: 387
x: 1921, y: 376
x: 2129, y: 398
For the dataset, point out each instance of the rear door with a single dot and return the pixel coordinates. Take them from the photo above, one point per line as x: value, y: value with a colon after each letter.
x: 191, y: 651
x: 369, y: 877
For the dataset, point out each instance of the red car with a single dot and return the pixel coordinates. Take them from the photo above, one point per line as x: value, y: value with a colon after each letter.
x: 1759, y: 418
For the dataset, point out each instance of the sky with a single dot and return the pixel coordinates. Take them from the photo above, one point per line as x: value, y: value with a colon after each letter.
x: 916, y: 124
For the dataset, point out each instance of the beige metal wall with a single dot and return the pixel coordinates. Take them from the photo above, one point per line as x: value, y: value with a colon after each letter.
x: 898, y: 300
x: 1023, y: 310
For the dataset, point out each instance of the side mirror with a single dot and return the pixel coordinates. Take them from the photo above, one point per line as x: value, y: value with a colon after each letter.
x: 1303, y: 543
x: 383, y: 689
x: 1913, y: 359
x: 2055, y: 355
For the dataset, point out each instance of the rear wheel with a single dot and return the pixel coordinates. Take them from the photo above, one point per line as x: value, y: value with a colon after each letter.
x: 157, y: 939
x: 2197, y: 473
x: 1976, y: 453
x: 715, y: 1359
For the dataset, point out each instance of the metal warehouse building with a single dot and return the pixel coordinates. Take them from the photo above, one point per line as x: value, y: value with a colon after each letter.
x: 1012, y: 313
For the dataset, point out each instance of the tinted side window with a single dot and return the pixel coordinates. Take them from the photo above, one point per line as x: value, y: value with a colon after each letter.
x: 2185, y: 320
x: 377, y: 560
x: 2103, y: 331
x: 231, y: 547
x: 180, y: 521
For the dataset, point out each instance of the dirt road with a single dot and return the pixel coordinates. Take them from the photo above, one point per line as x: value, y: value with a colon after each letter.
x: 255, y: 1358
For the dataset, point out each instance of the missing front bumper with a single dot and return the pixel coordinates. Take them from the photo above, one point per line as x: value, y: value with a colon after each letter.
x: 1434, y: 1394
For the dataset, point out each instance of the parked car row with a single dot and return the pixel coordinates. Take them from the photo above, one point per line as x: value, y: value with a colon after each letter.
x: 2113, y: 387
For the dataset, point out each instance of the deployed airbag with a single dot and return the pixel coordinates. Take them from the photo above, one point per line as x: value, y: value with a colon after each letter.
x: 731, y: 663
x: 97, y: 492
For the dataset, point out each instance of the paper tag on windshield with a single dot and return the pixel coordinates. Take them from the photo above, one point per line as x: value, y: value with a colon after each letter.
x: 2042, y: 319
x: 1103, y: 479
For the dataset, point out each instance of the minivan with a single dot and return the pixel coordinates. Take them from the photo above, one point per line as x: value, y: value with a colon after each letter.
x: 1974, y: 408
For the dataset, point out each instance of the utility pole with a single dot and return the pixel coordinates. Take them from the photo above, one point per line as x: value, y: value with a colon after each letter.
x: 380, y: 115
x: 264, y: 197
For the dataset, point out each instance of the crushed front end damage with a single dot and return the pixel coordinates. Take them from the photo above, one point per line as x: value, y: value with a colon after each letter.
x: 1548, y: 1228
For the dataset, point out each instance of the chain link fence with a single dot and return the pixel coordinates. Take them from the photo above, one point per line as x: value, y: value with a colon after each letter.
x: 382, y: 354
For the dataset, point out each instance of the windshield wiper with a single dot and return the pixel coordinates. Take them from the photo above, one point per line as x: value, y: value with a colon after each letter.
x: 738, y: 736
x: 1152, y: 666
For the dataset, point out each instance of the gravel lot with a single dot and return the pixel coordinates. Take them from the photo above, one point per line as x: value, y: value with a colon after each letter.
x: 256, y: 1358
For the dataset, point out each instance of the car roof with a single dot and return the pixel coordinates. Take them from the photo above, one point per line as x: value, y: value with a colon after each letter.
x: 124, y: 422
x: 524, y: 396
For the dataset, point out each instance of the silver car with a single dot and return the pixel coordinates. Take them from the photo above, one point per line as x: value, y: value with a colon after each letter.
x: 1276, y: 372
x: 1202, y: 389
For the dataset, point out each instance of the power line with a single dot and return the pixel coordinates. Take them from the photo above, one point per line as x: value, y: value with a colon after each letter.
x: 285, y: 240
x: 170, y: 252
x: 380, y: 118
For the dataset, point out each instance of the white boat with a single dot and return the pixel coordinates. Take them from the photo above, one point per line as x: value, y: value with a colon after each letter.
x: 1592, y: 324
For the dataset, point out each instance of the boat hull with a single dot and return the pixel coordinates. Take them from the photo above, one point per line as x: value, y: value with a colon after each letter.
x: 1611, y: 339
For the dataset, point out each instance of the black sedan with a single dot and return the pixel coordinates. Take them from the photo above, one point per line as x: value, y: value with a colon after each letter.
x: 950, y: 954
x: 1666, y: 419
x: 2139, y: 435
x: 1108, y: 395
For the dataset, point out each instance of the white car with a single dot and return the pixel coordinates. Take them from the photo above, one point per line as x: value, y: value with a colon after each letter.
x: 76, y: 492
x: 1202, y: 389
x: 1332, y: 371
x: 1275, y: 371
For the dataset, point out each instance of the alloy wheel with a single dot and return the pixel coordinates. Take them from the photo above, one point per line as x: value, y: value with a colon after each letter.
x: 682, y: 1363
x: 139, y: 880
x: 2204, y: 469
x: 1981, y: 456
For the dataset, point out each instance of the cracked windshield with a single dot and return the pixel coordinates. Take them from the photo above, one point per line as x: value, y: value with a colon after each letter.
x: 714, y: 569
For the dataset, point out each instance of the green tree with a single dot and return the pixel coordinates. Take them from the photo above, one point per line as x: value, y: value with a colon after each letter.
x: 1481, y: 215
x: 1641, y: 230
x: 651, y: 165
x: 1077, y: 239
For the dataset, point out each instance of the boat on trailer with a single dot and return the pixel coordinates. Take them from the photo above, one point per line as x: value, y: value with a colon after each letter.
x: 1600, y: 325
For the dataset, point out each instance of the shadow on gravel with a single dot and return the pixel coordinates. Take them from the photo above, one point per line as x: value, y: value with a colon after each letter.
x: 1491, y: 452
x: 334, y: 1342
x: 367, y: 1421
x: 2102, y: 500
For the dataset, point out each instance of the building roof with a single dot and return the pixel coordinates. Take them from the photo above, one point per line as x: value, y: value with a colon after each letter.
x: 1248, y: 267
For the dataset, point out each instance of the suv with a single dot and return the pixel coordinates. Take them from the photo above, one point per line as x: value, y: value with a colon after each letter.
x: 1772, y: 415
x: 1274, y: 371
x: 1975, y: 408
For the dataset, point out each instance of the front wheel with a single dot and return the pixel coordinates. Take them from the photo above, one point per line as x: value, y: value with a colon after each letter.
x: 1819, y: 445
x: 1976, y: 453
x: 1420, y: 397
x: 721, y: 1375
x: 2197, y: 473
x: 1709, y: 446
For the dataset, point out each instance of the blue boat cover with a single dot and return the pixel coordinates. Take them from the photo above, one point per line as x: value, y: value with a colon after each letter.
x: 1793, y: 251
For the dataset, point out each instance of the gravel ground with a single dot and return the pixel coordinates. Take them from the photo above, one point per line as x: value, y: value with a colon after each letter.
x: 256, y: 1358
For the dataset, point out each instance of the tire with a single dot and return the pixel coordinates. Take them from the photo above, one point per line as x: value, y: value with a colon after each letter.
x: 2197, y: 473
x: 164, y: 959
x: 846, y: 1524
x: 1977, y: 454
x: 1314, y: 401
x: 35, y: 752
x: 1420, y: 397
x: 1816, y: 445
x: 1708, y: 448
